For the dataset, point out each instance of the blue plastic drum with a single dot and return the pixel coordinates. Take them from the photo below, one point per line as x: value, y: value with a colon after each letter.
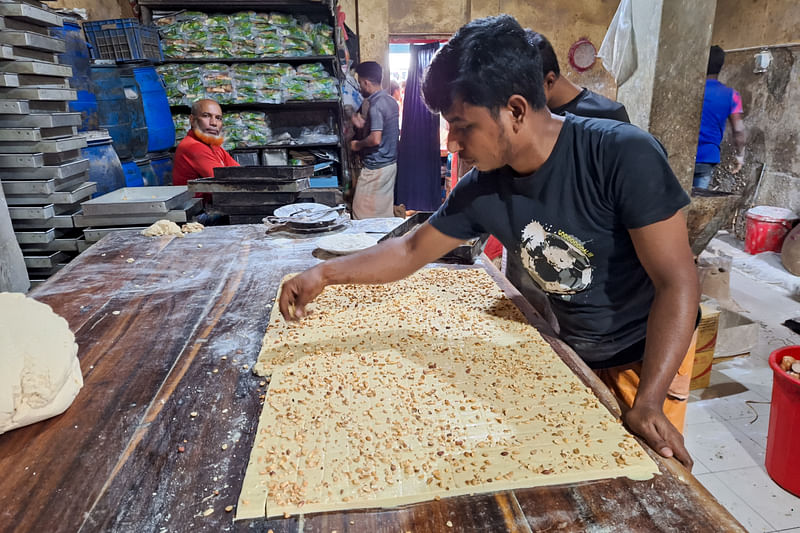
x: 133, y: 176
x: 162, y: 166
x: 146, y: 170
x: 160, y: 129
x: 77, y: 57
x: 104, y: 166
x: 119, y: 108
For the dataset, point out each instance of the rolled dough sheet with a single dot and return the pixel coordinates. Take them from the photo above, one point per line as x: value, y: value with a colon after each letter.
x: 433, y: 386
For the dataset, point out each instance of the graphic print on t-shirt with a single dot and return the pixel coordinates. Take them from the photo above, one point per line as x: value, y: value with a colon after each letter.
x: 557, y: 262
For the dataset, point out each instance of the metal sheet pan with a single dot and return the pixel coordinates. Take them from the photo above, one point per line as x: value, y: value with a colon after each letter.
x: 14, y: 107
x: 37, y: 68
x: 61, y: 157
x: 137, y: 201
x: 248, y: 185
x: 65, y: 241
x: 38, y: 213
x: 58, y: 172
x: 20, y: 161
x: 464, y: 254
x: 40, y: 120
x: 9, y: 80
x: 46, y: 146
x: 31, y: 14
x: 269, y: 173
x: 35, y: 236
x: 189, y: 209
x: 95, y: 234
x: 27, y: 135
x: 57, y: 221
x: 80, y: 192
x: 32, y: 40
x: 45, y: 260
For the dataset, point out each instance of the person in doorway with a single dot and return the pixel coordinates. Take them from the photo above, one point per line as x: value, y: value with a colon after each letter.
x: 589, y: 207
x: 563, y: 96
x: 374, y: 192
x: 720, y: 104
x: 201, y: 151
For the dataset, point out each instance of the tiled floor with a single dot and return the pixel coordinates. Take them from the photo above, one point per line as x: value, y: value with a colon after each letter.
x: 726, y: 423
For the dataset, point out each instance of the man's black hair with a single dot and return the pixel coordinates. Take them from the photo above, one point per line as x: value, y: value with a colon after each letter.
x: 716, y: 58
x: 548, y: 55
x: 371, y: 71
x: 486, y: 62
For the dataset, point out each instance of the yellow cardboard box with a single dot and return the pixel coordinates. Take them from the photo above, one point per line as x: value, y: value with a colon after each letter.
x: 704, y: 348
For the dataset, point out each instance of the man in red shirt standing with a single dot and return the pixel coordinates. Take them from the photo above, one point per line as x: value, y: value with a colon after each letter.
x: 201, y: 151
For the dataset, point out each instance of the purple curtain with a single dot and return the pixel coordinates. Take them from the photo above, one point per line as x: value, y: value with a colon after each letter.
x: 419, y: 182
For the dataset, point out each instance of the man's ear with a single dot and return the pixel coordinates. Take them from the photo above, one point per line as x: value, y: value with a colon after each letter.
x: 550, y: 80
x: 518, y: 106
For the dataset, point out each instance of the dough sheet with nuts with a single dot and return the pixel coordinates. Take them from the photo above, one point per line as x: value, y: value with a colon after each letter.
x: 427, y: 388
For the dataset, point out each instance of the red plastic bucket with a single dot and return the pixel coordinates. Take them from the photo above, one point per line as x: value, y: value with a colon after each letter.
x: 766, y: 228
x: 784, y: 424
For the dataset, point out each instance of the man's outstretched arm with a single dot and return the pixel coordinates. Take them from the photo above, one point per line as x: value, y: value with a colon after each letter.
x: 388, y: 261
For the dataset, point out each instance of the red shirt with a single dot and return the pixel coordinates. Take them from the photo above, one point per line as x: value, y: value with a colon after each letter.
x: 195, y: 159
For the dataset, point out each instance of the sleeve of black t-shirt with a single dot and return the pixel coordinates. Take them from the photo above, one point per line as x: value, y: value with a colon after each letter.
x: 642, y: 187
x: 454, y: 217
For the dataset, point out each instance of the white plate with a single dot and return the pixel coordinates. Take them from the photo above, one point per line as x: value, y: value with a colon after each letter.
x: 347, y: 243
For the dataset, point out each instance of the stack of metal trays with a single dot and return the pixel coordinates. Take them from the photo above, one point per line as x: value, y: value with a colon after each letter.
x: 248, y: 194
x: 134, y: 208
x: 43, y: 175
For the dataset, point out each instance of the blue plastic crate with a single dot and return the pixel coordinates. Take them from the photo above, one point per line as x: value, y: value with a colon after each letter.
x: 322, y: 182
x: 123, y: 40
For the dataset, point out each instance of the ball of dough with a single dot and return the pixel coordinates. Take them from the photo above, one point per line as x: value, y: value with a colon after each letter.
x: 39, y: 370
x: 162, y: 227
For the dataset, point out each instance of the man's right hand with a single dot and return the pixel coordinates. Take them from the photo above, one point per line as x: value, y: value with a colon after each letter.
x: 358, y: 120
x: 299, y: 291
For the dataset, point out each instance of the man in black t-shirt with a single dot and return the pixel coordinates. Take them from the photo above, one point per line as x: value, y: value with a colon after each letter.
x: 563, y: 96
x: 588, y: 207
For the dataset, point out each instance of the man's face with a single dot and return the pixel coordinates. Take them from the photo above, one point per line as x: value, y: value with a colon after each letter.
x: 209, y: 120
x: 478, y: 136
x: 365, y: 85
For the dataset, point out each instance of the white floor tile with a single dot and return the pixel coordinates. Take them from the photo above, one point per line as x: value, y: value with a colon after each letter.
x: 716, y: 446
x: 776, y: 506
x: 735, y: 505
x: 698, y: 412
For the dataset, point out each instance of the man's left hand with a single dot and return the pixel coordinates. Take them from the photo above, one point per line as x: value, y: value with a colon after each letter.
x: 354, y: 146
x: 653, y: 426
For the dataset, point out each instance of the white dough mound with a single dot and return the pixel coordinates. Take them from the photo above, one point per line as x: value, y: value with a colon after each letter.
x: 162, y: 227
x: 39, y: 370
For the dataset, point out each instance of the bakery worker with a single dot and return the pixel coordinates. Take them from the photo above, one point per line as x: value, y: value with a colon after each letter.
x: 721, y: 104
x: 201, y: 151
x: 589, y: 208
x: 374, y: 194
x: 563, y: 96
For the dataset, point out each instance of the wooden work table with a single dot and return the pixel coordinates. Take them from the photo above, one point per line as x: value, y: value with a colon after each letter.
x: 166, y: 346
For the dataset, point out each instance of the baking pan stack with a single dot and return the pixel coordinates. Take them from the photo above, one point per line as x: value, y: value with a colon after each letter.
x: 42, y: 172
x: 248, y: 194
x: 135, y: 208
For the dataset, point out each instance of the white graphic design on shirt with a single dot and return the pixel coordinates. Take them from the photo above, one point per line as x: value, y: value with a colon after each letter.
x: 557, y: 262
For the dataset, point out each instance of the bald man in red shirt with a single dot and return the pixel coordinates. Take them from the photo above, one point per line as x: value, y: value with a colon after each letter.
x: 200, y: 152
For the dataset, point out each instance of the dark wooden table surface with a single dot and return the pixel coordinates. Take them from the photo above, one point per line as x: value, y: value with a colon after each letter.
x: 174, y: 334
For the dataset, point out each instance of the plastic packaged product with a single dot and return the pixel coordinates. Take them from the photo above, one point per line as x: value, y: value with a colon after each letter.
x: 323, y: 40
x: 282, y: 19
x: 311, y: 71
x: 326, y: 89
x: 294, y: 89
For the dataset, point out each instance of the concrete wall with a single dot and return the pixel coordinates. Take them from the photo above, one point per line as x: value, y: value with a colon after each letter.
x: 772, y: 121
x: 562, y: 21
x: 743, y: 23
x: 98, y: 9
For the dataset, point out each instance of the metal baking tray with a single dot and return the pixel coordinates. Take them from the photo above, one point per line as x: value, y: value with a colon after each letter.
x: 41, y: 81
x: 29, y: 54
x: 57, y: 172
x: 137, y: 201
x: 57, y: 221
x: 44, y: 106
x: 95, y: 234
x: 44, y: 187
x: 60, y: 157
x: 81, y: 192
x: 189, y: 209
x: 38, y: 213
x: 27, y: 135
x: 31, y: 14
x: 6, y: 52
x: 14, y: 107
x: 45, y: 260
x: 464, y: 254
x: 32, y: 40
x: 9, y: 80
x: 252, y: 185
x: 239, y: 199
x: 36, y: 68
x: 42, y: 120
x: 37, y: 93
x: 66, y: 240
x: 46, y: 146
x: 42, y: 236
x: 269, y: 173
x: 20, y: 161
